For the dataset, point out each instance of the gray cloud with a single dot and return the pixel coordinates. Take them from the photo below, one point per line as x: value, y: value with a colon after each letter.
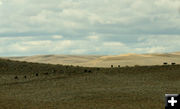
x: 99, y: 16
x: 116, y: 22
x: 93, y: 44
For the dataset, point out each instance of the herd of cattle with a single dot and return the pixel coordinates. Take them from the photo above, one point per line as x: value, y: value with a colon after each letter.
x: 173, y: 63
x: 16, y: 77
x: 53, y: 71
x: 37, y: 74
x: 165, y: 63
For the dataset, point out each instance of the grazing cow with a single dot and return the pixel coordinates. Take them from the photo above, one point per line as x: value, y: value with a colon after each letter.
x: 53, y: 71
x: 46, y: 73
x: 173, y: 63
x: 89, y: 71
x: 111, y: 66
x: 15, y: 77
x: 119, y: 66
x: 165, y: 63
x: 37, y: 74
x: 85, y: 70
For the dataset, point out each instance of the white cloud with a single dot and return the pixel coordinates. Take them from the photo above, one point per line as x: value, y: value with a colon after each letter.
x: 158, y: 43
x: 73, y: 26
x: 57, y: 37
x: 79, y: 51
x: 132, y: 16
x: 93, y: 37
x: 164, y: 40
x: 31, y: 45
x: 37, y: 43
x: 151, y: 50
x: 113, y: 44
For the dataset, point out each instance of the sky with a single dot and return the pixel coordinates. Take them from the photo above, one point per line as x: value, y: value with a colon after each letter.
x: 88, y: 27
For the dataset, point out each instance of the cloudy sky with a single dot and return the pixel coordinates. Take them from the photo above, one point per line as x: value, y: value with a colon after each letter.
x: 103, y: 27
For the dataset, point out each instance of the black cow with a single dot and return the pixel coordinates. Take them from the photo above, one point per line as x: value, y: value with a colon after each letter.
x: 98, y: 69
x: 89, y: 71
x: 53, y: 71
x: 16, y: 77
x: 46, y: 73
x: 37, y: 74
x: 85, y: 70
x: 173, y: 63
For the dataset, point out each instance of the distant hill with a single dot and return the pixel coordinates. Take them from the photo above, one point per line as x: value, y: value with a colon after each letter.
x: 104, y: 61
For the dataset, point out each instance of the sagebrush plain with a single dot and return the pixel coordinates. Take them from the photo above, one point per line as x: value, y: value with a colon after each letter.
x: 73, y: 87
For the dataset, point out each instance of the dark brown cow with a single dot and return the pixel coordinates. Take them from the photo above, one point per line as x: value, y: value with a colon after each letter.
x: 37, y: 74
x: 173, y: 63
x: 16, y: 77
x: 46, y: 73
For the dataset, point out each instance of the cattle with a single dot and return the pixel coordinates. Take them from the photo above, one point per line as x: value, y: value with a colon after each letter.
x: 53, y: 71
x: 85, y: 70
x: 16, y: 77
x: 111, y: 66
x: 89, y: 71
x: 173, y: 63
x: 37, y: 74
x: 46, y: 73
x: 165, y: 63
x: 119, y: 66
x: 98, y: 69
x: 25, y: 77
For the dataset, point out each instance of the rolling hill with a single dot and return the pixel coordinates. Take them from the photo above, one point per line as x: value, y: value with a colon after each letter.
x: 103, y: 61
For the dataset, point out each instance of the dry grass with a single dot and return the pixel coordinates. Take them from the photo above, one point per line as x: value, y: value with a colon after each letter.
x: 104, y: 61
x: 68, y: 87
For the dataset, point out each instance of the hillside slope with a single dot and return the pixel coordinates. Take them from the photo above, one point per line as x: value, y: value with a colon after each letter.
x: 104, y: 61
x: 68, y: 87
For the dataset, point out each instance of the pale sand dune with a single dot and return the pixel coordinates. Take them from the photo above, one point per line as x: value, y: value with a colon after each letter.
x: 104, y: 61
